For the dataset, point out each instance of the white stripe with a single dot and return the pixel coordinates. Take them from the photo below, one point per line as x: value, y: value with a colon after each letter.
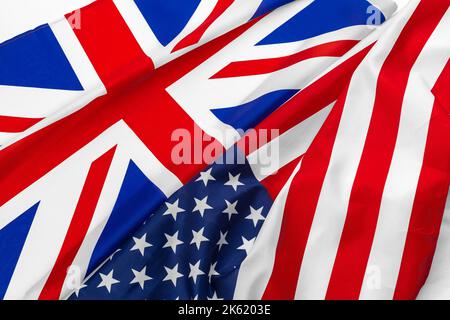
x: 129, y: 147
x: 100, y: 217
x: 59, y: 192
x: 437, y: 285
x: 138, y: 26
x: 248, y: 88
x: 290, y: 145
x: 6, y: 136
x: 268, y: 51
x: 55, y: 104
x: 40, y: 103
x: 47, y: 231
x: 403, y: 176
x: 76, y: 55
x: 29, y: 102
x: 148, y: 40
x: 240, y: 12
x: 255, y: 270
x: 333, y: 201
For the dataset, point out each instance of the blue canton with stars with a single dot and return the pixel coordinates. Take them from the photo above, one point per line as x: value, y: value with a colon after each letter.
x: 192, y: 246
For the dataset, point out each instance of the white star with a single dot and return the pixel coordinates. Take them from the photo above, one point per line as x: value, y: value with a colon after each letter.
x: 172, y: 241
x: 201, y: 205
x: 215, y: 297
x: 206, y: 176
x: 195, y: 271
x: 79, y: 287
x: 222, y: 239
x: 198, y: 237
x: 107, y: 281
x: 140, y: 244
x: 173, y: 209
x: 246, y: 245
x: 172, y: 274
x: 233, y: 181
x: 255, y: 215
x: 140, y: 277
x: 212, y: 271
x: 231, y: 208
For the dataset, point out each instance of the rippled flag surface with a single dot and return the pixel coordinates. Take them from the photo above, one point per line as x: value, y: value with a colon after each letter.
x: 87, y: 121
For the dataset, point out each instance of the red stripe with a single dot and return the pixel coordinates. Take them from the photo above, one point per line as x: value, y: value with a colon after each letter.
x: 16, y: 124
x: 78, y: 226
x: 142, y: 102
x: 110, y: 45
x: 431, y: 194
x: 195, y: 36
x: 262, y: 66
x: 367, y: 190
x: 275, y: 182
x: 313, y: 98
x: 300, y: 208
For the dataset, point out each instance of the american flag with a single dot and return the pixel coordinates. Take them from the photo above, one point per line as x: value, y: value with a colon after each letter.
x: 192, y: 246
x: 348, y: 200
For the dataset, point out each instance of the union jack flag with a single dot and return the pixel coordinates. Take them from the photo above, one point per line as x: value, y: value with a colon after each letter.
x: 344, y: 199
